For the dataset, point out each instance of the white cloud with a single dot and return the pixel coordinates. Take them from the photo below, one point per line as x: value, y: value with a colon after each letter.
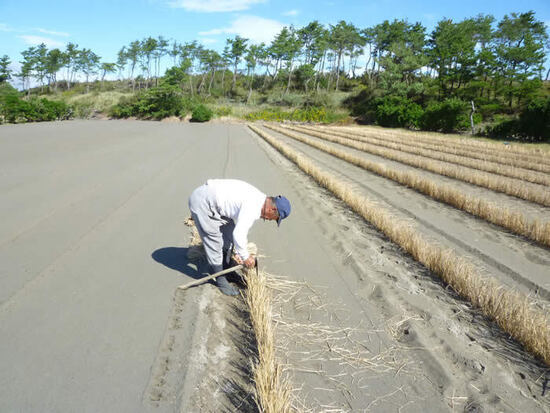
x: 51, y: 32
x: 5, y: 28
x: 206, y: 40
x: 255, y: 28
x: 36, y: 40
x: 212, y: 6
x: 291, y: 13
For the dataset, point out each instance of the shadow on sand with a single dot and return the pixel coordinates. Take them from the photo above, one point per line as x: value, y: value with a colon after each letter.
x: 175, y: 258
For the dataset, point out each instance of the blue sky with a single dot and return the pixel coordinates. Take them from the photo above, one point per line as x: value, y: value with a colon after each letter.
x: 106, y: 25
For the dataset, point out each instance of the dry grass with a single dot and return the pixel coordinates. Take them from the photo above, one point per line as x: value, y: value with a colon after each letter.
x: 437, y: 154
x: 272, y: 389
x: 529, y: 192
x: 511, y: 310
x: 514, y: 151
x: 516, y: 222
x: 340, y: 354
x: 497, y: 155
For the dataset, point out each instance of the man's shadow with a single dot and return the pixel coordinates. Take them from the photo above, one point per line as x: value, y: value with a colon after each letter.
x: 176, y: 258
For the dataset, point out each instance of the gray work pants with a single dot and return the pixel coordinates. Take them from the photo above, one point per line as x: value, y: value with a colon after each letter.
x: 216, y: 231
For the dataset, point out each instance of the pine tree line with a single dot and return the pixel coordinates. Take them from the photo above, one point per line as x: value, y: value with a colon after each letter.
x: 476, y: 58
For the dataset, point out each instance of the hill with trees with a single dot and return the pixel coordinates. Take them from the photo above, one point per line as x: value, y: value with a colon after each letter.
x: 478, y: 75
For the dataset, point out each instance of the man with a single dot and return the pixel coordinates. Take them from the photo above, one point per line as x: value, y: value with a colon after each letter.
x: 223, y: 211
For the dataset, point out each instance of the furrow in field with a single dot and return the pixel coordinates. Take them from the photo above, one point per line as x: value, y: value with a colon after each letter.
x: 437, y: 154
x: 511, y: 309
x: 530, y: 192
x: 516, y: 222
x: 499, y: 152
x: 517, y: 263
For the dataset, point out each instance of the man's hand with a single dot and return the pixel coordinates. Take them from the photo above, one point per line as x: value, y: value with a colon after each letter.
x: 250, y: 262
x: 237, y: 258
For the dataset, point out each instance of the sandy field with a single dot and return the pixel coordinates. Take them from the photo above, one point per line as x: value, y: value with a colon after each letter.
x: 93, y: 245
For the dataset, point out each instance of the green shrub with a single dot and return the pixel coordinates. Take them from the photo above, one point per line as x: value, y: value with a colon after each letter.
x: 48, y: 110
x: 14, y: 109
x: 125, y: 108
x: 362, y: 105
x: 503, y: 129
x: 489, y: 110
x: 447, y: 116
x: 201, y: 113
x: 534, y: 120
x: 533, y: 123
x: 160, y: 102
x: 155, y: 103
x: 397, y: 111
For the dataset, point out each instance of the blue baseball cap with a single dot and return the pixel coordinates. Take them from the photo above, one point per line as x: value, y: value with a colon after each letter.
x: 283, y: 206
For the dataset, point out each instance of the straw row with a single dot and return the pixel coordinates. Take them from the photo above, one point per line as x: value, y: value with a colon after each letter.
x: 490, y: 148
x: 499, y: 155
x: 437, y: 154
x: 511, y: 310
x: 516, y: 222
x: 273, y: 390
x: 529, y: 192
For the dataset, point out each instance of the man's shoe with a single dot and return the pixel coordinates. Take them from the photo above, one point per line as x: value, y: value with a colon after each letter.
x: 225, y: 287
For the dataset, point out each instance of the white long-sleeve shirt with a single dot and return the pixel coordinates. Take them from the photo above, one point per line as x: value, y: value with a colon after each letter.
x: 241, y: 202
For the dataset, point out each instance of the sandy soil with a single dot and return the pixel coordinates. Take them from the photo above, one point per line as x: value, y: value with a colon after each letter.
x: 93, y: 246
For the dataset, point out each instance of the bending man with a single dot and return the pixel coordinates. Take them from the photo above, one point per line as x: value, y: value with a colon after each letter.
x: 224, y: 211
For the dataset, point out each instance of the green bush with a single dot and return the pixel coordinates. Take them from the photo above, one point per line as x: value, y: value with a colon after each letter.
x: 160, y: 102
x: 448, y: 116
x: 48, y: 110
x: 201, y: 113
x: 534, y: 120
x: 489, y: 110
x: 533, y: 123
x: 155, y: 103
x: 503, y: 129
x: 397, y: 111
x: 14, y: 109
x: 362, y: 105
